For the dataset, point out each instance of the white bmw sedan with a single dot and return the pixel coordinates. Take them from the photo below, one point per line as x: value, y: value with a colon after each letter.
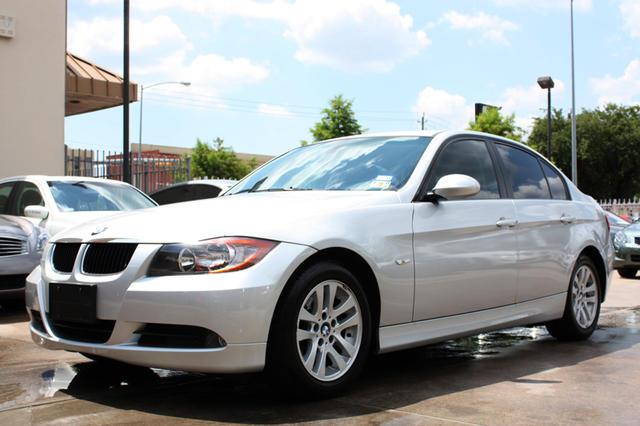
x: 331, y: 253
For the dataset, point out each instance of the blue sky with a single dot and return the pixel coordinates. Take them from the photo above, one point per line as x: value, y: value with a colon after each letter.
x: 261, y: 71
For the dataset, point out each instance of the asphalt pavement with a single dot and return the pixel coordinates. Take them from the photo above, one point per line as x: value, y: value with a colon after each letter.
x: 510, y: 377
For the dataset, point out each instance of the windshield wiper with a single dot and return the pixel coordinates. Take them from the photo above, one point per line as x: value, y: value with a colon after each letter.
x: 254, y: 188
x: 290, y: 188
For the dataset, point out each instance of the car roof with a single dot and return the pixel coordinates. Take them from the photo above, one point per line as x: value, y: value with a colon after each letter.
x: 430, y: 133
x: 61, y: 178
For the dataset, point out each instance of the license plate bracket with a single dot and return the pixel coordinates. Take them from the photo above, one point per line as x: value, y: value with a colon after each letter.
x: 73, y: 302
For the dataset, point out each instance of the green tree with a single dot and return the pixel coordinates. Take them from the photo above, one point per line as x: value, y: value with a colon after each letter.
x: 492, y: 121
x: 337, y: 120
x: 218, y: 161
x: 608, y: 148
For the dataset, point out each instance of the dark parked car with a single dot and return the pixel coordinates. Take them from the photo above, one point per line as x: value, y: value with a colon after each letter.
x: 21, y: 245
x: 192, y: 190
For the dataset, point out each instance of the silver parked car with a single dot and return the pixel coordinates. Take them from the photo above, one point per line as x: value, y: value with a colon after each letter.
x: 328, y: 254
x: 627, y: 248
x: 616, y: 223
x: 21, y: 246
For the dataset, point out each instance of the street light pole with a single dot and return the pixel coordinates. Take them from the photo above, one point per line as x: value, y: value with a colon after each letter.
x: 574, y: 155
x: 547, y: 83
x: 182, y: 83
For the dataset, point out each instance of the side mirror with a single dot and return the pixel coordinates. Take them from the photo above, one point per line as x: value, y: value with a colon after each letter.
x: 454, y: 186
x: 36, y: 212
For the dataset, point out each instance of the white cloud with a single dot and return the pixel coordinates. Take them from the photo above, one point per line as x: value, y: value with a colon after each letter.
x: 350, y: 35
x: 443, y: 109
x: 624, y: 89
x: 526, y: 102
x: 581, y: 5
x: 630, y: 10
x: 102, y: 34
x: 209, y: 74
x: 275, y: 110
x: 492, y: 27
x: 161, y: 53
x: 356, y: 35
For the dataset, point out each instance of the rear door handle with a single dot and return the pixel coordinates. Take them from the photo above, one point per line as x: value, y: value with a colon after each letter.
x: 567, y: 219
x: 503, y: 221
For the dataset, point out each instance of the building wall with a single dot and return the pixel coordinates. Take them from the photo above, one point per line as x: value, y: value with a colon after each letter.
x: 32, y: 88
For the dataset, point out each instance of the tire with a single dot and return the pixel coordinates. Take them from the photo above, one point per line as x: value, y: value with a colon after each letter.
x: 628, y: 272
x: 582, y: 309
x: 317, y: 353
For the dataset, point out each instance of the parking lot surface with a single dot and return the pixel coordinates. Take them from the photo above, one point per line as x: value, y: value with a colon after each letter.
x: 516, y: 376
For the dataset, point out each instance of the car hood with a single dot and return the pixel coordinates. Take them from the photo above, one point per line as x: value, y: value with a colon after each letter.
x: 282, y: 216
x: 15, y: 226
x: 65, y: 220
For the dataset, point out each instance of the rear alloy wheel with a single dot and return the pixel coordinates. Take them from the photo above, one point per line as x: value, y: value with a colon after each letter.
x: 628, y: 272
x: 321, y: 334
x: 583, y: 304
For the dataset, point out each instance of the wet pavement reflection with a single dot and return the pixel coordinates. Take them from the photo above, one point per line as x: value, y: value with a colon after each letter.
x: 390, y: 381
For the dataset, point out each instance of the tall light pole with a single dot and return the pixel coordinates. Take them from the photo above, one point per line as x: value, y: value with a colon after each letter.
x: 574, y: 154
x: 126, y: 168
x: 546, y: 82
x: 183, y: 83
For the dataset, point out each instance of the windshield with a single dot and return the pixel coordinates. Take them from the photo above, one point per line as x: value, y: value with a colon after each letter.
x: 364, y: 164
x: 84, y: 196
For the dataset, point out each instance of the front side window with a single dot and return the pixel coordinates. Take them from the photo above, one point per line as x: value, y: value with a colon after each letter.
x: 27, y: 195
x: 357, y: 164
x: 81, y: 196
x: 523, y: 173
x: 471, y: 158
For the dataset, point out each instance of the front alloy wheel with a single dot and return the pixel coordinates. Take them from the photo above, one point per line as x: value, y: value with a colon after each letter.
x: 329, y: 330
x: 321, y: 333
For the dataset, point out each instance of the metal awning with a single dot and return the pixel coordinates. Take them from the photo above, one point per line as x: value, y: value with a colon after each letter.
x: 92, y: 88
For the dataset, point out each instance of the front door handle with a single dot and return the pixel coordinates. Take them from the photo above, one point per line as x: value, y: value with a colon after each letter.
x: 503, y: 221
x: 567, y: 219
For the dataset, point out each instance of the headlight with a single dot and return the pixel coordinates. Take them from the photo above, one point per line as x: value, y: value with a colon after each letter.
x: 620, y: 239
x: 210, y: 256
x: 41, y: 241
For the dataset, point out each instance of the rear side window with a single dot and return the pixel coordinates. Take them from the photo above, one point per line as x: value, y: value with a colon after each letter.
x: 202, y: 192
x: 169, y: 195
x: 471, y: 158
x: 523, y: 174
x: 558, y: 191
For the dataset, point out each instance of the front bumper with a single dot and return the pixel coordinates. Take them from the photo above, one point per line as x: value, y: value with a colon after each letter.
x: 237, y: 306
x: 627, y: 256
